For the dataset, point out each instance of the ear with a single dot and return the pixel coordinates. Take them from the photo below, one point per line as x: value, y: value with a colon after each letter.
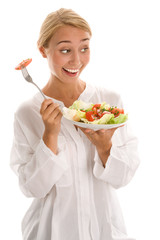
x: 42, y: 51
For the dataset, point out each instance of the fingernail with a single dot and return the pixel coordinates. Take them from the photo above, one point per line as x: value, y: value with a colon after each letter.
x: 87, y: 130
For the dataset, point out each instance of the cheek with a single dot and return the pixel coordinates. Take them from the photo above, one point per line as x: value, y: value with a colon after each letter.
x: 57, y: 60
x: 55, y: 64
x: 86, y: 59
x: 60, y: 59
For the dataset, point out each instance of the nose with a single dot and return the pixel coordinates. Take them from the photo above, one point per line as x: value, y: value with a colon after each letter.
x: 75, y: 58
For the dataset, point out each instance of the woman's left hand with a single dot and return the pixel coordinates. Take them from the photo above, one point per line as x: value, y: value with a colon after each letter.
x: 102, y: 140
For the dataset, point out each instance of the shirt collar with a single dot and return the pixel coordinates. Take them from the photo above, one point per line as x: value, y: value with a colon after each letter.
x: 85, y: 96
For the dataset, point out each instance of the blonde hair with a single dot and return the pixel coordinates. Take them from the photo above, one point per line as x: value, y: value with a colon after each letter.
x: 57, y: 19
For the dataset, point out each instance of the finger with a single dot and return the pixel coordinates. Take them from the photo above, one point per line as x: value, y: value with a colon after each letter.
x: 54, y: 114
x: 90, y: 133
x: 45, y: 104
x: 86, y: 130
x: 58, y: 117
x: 101, y: 132
x: 50, y: 109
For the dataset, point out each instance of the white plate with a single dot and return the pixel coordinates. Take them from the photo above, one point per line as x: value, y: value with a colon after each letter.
x: 95, y: 127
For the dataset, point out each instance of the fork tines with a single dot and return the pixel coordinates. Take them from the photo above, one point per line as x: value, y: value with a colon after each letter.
x: 26, y: 74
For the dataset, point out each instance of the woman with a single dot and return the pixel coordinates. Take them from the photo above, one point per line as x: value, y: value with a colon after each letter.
x: 71, y: 173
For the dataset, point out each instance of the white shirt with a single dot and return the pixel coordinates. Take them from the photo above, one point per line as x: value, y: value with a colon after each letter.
x: 74, y: 195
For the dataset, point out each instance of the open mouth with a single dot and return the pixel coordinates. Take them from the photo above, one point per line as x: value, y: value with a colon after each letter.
x: 71, y: 72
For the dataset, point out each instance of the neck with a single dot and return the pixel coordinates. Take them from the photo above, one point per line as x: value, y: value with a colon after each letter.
x: 65, y: 92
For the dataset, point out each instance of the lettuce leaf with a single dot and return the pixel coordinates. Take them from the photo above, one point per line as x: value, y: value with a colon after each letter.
x: 80, y: 105
x: 120, y: 119
x: 69, y: 113
x: 104, y: 106
x: 73, y: 114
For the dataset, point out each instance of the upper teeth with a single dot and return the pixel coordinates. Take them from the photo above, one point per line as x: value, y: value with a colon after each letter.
x: 72, y: 70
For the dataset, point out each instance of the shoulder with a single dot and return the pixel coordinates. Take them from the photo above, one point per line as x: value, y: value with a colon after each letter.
x: 28, y: 109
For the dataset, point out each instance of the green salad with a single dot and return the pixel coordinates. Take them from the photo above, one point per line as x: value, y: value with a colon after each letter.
x: 99, y: 113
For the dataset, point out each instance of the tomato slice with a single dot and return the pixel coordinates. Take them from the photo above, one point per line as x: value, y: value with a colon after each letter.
x: 96, y: 105
x: 95, y: 108
x: 23, y: 64
x: 116, y: 111
x: 103, y: 113
x: 90, y: 116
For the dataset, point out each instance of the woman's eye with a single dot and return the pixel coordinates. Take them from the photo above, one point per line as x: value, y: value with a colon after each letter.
x: 84, y: 49
x: 65, y: 51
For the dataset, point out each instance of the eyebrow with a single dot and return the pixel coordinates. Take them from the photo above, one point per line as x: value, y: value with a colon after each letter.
x: 67, y: 41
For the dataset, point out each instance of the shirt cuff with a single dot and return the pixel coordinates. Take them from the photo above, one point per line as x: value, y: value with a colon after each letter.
x: 114, y: 168
x: 62, y: 161
x: 99, y: 171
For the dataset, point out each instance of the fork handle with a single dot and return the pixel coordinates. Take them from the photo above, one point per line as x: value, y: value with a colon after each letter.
x: 39, y: 90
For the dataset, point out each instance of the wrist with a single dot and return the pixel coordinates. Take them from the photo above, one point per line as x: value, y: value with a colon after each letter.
x: 104, y: 149
x: 51, y: 141
x: 104, y: 154
x: 49, y: 135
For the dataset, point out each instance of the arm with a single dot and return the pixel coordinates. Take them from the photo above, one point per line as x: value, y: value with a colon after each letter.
x: 36, y: 164
x: 122, y: 162
x: 51, y: 116
x: 119, y: 165
x: 102, y: 141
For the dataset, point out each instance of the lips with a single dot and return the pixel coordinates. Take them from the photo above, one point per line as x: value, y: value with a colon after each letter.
x: 71, y: 72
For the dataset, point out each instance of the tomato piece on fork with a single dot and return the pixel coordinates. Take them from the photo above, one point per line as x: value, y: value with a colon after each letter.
x: 23, y: 64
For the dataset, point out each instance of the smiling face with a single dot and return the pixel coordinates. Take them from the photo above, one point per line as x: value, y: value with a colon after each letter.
x: 68, y: 53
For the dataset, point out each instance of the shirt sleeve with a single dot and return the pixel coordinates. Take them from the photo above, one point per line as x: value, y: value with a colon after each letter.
x: 123, y: 160
x: 37, y: 166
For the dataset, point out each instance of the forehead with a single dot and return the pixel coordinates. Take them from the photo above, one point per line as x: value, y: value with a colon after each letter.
x: 69, y: 34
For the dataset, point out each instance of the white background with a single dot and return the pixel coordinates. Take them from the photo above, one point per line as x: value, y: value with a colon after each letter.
x: 125, y: 57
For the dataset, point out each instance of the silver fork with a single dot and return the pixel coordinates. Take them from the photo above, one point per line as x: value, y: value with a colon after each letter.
x: 29, y: 79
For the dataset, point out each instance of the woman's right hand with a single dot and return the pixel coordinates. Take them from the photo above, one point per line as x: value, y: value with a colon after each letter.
x: 51, y: 116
